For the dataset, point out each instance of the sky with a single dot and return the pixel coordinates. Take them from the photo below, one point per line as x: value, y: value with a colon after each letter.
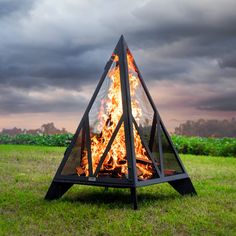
x: 53, y: 53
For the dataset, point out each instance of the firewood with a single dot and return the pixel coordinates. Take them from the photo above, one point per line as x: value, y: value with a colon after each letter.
x: 80, y: 171
x: 104, y: 171
x: 122, y: 162
x: 104, y: 174
x: 169, y: 172
x: 139, y: 172
x: 117, y: 170
x: 142, y: 160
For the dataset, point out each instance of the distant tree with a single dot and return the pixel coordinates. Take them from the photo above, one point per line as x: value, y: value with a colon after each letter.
x: 13, y: 131
x: 208, y: 128
x: 51, y: 129
x: 48, y: 128
x: 33, y: 131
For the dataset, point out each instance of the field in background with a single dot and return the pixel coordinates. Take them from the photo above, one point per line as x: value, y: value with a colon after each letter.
x: 205, y: 146
x: 26, y: 172
x: 185, y: 145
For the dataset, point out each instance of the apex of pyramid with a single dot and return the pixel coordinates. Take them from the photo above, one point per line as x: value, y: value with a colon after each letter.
x: 122, y: 41
x: 122, y: 38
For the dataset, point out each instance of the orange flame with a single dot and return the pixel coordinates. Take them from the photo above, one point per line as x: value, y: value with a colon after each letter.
x: 115, y: 163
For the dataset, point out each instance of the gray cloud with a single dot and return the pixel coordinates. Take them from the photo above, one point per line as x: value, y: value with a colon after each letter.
x: 228, y: 61
x: 12, y: 101
x: 9, y: 7
x: 225, y: 102
x: 62, y: 44
x: 59, y: 67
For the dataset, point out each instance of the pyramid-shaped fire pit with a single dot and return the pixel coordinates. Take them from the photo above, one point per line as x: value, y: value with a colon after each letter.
x: 121, y: 140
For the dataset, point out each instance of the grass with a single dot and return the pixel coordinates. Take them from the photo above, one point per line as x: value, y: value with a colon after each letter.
x: 26, y: 172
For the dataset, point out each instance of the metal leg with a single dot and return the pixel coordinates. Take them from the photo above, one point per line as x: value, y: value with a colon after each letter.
x: 57, y: 189
x: 134, y: 198
x: 183, y: 186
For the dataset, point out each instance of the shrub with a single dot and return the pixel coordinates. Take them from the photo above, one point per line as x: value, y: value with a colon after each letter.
x: 187, y: 145
x: 42, y: 140
x: 205, y: 146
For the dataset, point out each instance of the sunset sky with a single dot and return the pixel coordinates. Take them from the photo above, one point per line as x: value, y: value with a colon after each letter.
x: 53, y: 52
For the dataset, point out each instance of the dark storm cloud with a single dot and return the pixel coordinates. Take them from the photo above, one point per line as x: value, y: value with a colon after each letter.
x: 8, y: 7
x: 219, y: 103
x: 13, y: 101
x: 184, y: 35
x: 228, y: 61
x: 205, y: 23
x: 40, y: 67
x: 65, y: 45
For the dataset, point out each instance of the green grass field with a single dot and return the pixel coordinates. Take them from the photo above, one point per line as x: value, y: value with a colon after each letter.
x: 26, y: 172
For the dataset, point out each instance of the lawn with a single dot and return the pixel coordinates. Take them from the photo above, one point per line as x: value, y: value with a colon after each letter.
x: 26, y: 172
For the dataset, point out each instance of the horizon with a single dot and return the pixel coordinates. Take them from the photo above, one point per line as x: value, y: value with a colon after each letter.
x: 73, y: 131
x: 185, y: 51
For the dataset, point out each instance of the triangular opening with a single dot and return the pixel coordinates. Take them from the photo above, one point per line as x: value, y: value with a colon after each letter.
x: 142, y: 110
x: 143, y: 114
x: 115, y: 164
x: 170, y: 159
x: 144, y: 163
x: 105, y: 112
x: 77, y: 161
x: 154, y: 146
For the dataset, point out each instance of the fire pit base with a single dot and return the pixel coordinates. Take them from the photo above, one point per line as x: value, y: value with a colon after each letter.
x: 183, y: 186
x: 59, y: 188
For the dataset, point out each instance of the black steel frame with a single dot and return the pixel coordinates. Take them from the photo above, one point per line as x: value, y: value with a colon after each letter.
x: 180, y: 182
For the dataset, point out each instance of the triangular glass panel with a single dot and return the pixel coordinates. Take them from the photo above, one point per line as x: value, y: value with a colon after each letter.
x: 77, y: 161
x: 142, y: 110
x: 170, y: 161
x: 144, y: 166
x: 115, y: 164
x: 154, y: 146
x: 105, y: 112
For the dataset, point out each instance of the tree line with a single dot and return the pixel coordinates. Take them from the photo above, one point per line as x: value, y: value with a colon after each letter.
x: 48, y: 128
x: 208, y: 128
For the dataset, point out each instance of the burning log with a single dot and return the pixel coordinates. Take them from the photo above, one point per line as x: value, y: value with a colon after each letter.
x: 80, y: 171
x: 105, y: 171
x: 169, y: 172
x: 139, y: 172
x: 104, y: 174
x: 116, y: 172
x: 142, y: 160
x: 121, y: 162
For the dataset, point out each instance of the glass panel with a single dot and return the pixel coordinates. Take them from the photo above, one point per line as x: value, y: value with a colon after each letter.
x: 77, y: 162
x: 115, y: 164
x: 170, y: 162
x: 105, y: 112
x: 142, y: 110
x: 155, y: 149
x: 144, y: 166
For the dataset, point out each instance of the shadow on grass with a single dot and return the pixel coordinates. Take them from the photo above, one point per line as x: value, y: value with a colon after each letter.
x: 114, y: 198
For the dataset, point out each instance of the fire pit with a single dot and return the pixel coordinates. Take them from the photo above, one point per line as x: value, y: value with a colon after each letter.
x: 121, y: 140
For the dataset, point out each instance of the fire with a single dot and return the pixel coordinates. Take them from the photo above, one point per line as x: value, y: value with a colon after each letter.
x: 110, y: 112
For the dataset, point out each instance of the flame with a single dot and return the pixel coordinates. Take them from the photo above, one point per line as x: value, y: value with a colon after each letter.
x: 110, y: 112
